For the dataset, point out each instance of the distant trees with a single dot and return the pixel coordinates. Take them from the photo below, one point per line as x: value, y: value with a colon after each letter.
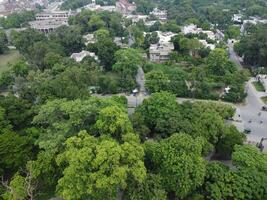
x: 17, y: 19
x: 3, y: 42
x: 253, y: 47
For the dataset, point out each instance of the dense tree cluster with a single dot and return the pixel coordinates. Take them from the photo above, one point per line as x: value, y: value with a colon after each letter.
x: 3, y: 42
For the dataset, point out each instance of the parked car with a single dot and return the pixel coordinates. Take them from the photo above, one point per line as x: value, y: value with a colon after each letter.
x: 247, y: 131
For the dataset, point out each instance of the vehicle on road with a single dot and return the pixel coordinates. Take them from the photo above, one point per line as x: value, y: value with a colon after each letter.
x: 247, y: 131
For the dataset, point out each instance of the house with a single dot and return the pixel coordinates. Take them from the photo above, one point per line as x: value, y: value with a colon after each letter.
x: 124, y: 7
x: 159, y: 14
x: 160, y: 52
x: 78, y: 57
x: 137, y: 18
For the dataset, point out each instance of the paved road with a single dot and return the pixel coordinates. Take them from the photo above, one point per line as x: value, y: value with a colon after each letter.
x: 233, y: 56
x: 140, y: 79
x: 250, y: 111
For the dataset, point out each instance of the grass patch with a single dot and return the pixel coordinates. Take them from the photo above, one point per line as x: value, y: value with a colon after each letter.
x: 264, y: 99
x: 259, y: 86
x: 8, y: 58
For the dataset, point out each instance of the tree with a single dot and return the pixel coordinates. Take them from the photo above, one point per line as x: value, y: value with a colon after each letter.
x: 25, y: 39
x: 127, y: 61
x: 113, y: 121
x: 151, y: 188
x: 161, y: 114
x: 93, y: 177
x: 157, y: 81
x: 106, y: 52
x: 69, y: 37
x: 217, y: 61
x: 233, y: 32
x: 95, y: 23
x: 16, y: 190
x: 179, y: 162
x: 18, y: 112
x: 15, y: 150
x: 226, y: 144
x: 3, y: 42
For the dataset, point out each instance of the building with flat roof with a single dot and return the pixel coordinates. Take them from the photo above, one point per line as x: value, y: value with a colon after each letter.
x: 160, y: 52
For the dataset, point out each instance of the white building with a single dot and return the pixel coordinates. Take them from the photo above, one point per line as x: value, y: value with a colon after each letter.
x: 136, y: 18
x: 160, y: 14
x: 78, y: 57
x: 51, y: 15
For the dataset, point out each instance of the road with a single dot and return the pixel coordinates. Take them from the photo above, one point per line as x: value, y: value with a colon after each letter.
x: 140, y: 80
x: 233, y: 56
x: 250, y: 112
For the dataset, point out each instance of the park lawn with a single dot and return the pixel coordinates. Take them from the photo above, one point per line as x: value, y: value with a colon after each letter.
x: 9, y: 57
x: 259, y: 86
x: 264, y: 99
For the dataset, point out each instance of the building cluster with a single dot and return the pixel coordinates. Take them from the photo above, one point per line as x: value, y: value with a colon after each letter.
x: 193, y: 29
x: 10, y: 6
x: 161, y: 51
x: 48, y: 21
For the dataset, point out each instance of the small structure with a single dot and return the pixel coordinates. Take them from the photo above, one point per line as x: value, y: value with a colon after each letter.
x: 78, y: 57
x: 89, y: 39
x: 124, y: 7
x: 252, y: 20
x: 159, y: 14
x: 160, y: 52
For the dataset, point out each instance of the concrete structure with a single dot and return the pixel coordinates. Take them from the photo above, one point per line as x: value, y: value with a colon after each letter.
x: 150, y: 23
x: 159, y: 14
x: 47, y: 26
x: 94, y: 7
x: 124, y: 7
x: 78, y: 57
